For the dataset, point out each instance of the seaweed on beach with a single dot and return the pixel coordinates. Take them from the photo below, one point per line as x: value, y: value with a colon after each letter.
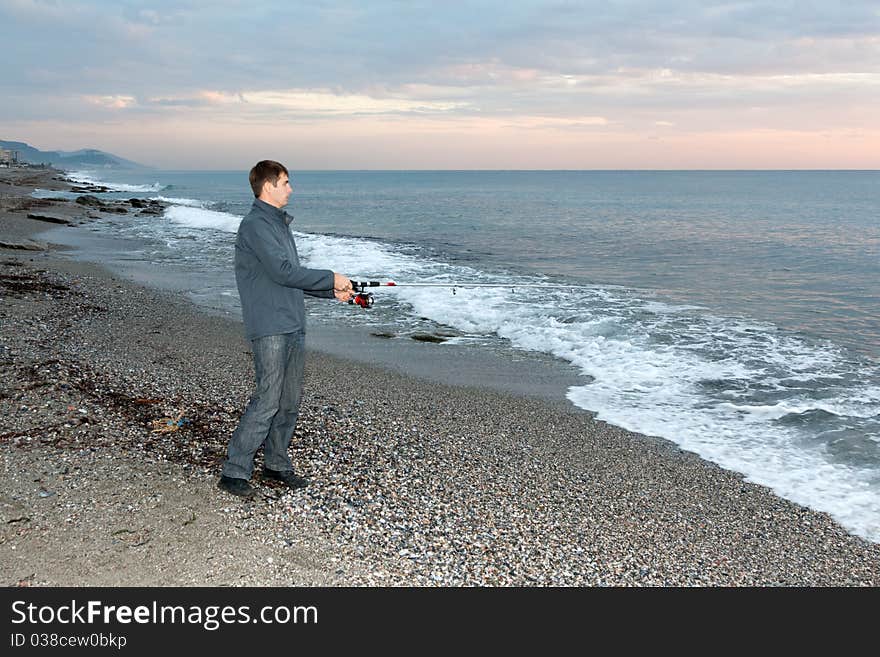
x: 199, y: 441
x: 37, y: 281
x: 21, y: 285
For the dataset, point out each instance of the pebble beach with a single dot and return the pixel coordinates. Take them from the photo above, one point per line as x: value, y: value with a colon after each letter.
x: 117, y: 401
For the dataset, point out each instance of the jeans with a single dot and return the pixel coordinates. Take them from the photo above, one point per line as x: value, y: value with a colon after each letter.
x: 270, y: 417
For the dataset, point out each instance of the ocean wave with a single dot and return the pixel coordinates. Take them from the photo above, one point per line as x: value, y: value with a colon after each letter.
x: 781, y: 410
x: 87, y: 178
x: 198, y: 217
x: 191, y: 202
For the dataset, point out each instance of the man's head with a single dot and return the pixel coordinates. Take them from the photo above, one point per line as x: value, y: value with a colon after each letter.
x: 271, y: 183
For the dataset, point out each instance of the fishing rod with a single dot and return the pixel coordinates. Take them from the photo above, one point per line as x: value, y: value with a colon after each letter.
x: 365, y: 299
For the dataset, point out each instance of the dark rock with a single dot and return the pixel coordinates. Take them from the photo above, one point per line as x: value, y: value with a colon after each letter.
x: 152, y: 210
x: 49, y: 218
x: 94, y: 189
x: 24, y: 245
x: 137, y: 203
x: 118, y: 209
x: 92, y: 201
x: 427, y: 337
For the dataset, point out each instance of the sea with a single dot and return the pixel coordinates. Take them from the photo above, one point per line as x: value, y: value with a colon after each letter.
x: 734, y: 313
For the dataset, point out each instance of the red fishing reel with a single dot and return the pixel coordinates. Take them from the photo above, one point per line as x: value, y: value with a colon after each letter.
x: 363, y: 299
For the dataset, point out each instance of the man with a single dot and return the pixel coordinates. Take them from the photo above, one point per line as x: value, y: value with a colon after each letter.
x: 271, y: 284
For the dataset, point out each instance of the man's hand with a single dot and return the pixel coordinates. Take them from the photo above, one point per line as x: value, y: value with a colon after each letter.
x: 342, y: 287
x: 343, y: 295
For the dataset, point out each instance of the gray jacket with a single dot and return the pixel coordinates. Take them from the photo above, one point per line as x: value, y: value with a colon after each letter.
x: 269, y: 277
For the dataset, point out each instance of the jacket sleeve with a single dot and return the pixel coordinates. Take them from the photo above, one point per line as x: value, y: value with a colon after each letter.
x: 321, y: 294
x: 268, y: 249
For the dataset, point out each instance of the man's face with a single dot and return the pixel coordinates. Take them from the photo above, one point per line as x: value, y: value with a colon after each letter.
x: 278, y: 193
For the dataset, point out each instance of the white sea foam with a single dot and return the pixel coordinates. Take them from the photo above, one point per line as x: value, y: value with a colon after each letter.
x: 794, y: 407
x: 366, y: 258
x: 654, y: 391
x: 85, y: 177
x: 197, y: 217
x: 191, y: 202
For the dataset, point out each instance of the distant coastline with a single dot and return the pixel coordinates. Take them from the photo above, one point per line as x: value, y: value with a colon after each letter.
x: 20, y: 152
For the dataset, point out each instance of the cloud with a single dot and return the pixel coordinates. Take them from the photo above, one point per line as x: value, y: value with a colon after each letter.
x: 303, y: 103
x: 550, y: 66
x: 111, y: 102
x: 554, y: 123
x: 324, y: 102
x: 164, y: 47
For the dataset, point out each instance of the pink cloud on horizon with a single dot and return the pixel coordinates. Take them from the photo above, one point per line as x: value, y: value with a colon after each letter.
x: 459, y: 143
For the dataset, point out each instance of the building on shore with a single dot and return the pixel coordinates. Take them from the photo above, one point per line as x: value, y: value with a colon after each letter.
x: 9, y: 158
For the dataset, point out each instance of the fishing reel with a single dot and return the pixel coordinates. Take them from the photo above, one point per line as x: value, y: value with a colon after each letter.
x: 363, y: 298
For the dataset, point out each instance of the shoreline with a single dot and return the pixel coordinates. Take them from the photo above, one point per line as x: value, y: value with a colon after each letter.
x: 420, y: 483
x: 530, y: 374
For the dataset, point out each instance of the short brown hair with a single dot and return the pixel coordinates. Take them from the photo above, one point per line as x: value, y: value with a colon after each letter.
x: 266, y: 171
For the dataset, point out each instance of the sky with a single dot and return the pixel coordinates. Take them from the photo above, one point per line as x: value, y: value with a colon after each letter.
x: 381, y: 84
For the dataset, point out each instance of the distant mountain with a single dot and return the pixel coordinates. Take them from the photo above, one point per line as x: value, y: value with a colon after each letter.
x: 87, y: 157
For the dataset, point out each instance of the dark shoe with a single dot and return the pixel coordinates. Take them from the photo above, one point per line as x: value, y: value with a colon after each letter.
x: 236, y: 486
x: 288, y: 478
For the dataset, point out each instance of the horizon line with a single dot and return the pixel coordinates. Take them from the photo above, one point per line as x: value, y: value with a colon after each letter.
x: 488, y: 170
